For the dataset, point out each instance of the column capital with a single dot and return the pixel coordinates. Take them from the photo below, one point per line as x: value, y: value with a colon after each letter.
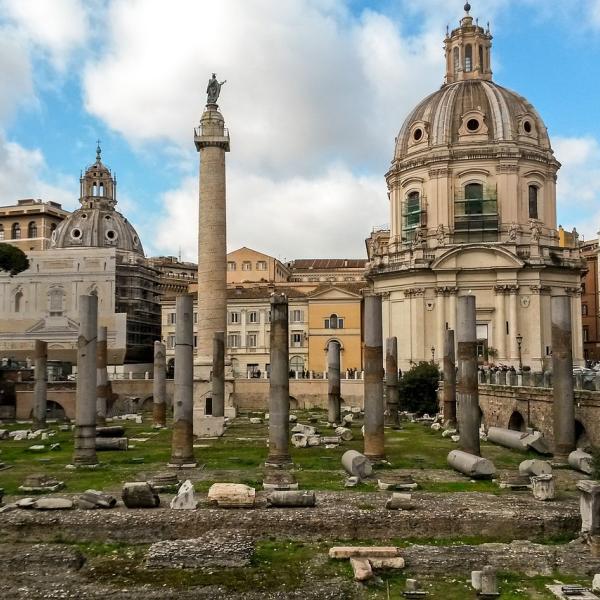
x: 540, y: 289
x: 413, y: 292
x: 573, y: 291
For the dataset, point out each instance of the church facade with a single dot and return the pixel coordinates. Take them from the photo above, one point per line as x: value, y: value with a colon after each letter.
x: 472, y: 200
x: 94, y: 250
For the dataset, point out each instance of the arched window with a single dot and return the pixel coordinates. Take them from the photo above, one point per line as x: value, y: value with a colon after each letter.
x: 297, y: 364
x: 456, y: 60
x: 1, y: 232
x: 474, y: 199
x: 18, y: 301
x: 16, y: 231
x: 533, y: 202
x: 468, y: 58
x: 32, y: 230
x: 481, y: 66
x: 584, y: 310
x: 101, y: 190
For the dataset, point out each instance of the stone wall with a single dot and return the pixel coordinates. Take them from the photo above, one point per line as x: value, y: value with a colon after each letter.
x: 306, y: 393
x: 498, y: 404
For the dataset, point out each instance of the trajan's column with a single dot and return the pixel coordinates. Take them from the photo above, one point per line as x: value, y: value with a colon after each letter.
x: 212, y: 141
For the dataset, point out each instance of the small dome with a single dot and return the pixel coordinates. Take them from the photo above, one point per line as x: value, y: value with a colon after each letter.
x: 97, y: 227
x: 469, y: 112
x: 97, y: 224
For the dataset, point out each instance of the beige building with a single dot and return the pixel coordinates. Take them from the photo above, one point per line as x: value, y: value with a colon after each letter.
x: 320, y: 309
x: 30, y: 223
x: 249, y: 266
x: 472, y: 197
x: 94, y: 250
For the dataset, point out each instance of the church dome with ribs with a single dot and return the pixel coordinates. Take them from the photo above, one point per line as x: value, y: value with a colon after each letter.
x: 97, y: 224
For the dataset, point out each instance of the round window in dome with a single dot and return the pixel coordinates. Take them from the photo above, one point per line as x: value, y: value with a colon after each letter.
x: 107, y: 217
x: 84, y: 215
x: 136, y: 241
x: 527, y: 126
x: 417, y: 134
x: 472, y: 124
x: 76, y: 233
x: 111, y: 235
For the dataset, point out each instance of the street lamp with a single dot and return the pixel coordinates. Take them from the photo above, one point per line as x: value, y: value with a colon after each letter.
x: 519, y: 342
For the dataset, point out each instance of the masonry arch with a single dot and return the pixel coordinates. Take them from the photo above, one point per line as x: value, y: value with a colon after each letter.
x: 581, y: 436
x: 517, y: 422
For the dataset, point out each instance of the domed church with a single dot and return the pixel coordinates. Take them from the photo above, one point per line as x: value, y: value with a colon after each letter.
x: 472, y: 195
x: 95, y: 250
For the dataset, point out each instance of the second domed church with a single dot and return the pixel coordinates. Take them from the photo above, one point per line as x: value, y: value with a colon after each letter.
x: 472, y: 201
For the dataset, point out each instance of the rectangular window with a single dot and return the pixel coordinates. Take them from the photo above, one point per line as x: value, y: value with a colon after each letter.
x: 326, y: 324
x: 246, y: 266
x: 231, y: 265
x: 253, y: 317
x: 261, y: 265
x: 234, y: 317
x: 586, y: 334
x: 584, y: 310
x: 195, y: 341
x: 296, y: 339
x: 172, y: 318
x: 233, y: 340
x: 251, y: 339
x: 171, y: 342
x: 340, y: 323
x: 296, y: 316
x: 195, y: 318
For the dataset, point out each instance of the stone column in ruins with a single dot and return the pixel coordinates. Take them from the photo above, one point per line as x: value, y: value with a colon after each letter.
x: 101, y: 376
x: 182, y: 451
x: 279, y: 384
x: 159, y: 385
x: 467, y: 389
x: 449, y: 366
x: 218, y: 375
x: 562, y: 376
x: 85, y: 408
x: 40, y: 388
x: 374, y: 442
x: 212, y: 142
x: 333, y: 383
x: 391, y: 380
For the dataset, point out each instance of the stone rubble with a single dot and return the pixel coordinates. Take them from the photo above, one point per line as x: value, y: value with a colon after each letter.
x: 92, y: 499
x: 185, y: 498
x: 139, y: 494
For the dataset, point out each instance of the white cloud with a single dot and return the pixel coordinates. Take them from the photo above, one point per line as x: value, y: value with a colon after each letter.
x: 24, y: 174
x: 56, y: 27
x: 15, y: 72
x: 328, y: 215
x: 306, y: 81
x: 578, y: 187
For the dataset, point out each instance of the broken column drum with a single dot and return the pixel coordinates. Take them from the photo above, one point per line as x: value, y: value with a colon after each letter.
x: 218, y: 375
x: 182, y: 443
x: 333, y: 382
x: 467, y: 390
x: 159, y: 385
x: 374, y: 442
x: 391, y: 380
x: 40, y: 388
x: 449, y: 367
x: 102, y: 376
x: 562, y: 374
x: 279, y: 384
x: 85, y: 407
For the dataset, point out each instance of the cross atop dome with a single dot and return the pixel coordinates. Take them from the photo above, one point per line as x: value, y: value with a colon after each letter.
x: 468, y: 50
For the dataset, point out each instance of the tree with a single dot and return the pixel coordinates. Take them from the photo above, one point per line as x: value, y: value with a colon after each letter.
x: 418, y: 388
x: 13, y: 259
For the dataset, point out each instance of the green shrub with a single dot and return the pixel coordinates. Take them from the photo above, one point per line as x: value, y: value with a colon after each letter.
x: 418, y: 389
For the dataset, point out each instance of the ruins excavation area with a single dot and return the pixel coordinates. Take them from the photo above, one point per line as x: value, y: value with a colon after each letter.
x: 452, y: 525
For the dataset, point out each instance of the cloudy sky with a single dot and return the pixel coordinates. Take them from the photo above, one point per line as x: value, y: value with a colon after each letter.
x: 316, y: 92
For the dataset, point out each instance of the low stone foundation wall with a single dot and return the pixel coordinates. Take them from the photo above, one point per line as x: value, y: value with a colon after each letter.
x: 500, y: 404
x: 253, y: 394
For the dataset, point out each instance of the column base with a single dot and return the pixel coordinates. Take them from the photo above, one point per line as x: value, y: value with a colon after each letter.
x: 376, y: 458
x: 276, y: 462
x: 182, y: 465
